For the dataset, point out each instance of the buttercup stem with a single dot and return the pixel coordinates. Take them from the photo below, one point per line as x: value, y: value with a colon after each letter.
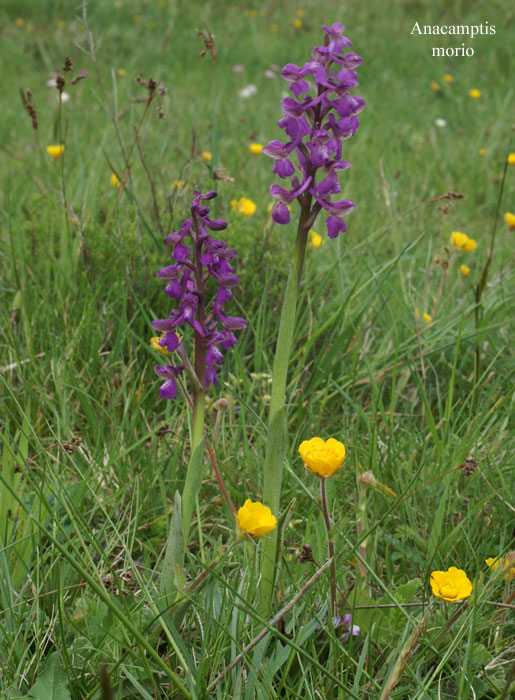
x: 330, y: 544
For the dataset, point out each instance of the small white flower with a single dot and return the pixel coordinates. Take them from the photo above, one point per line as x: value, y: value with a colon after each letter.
x: 51, y: 83
x: 270, y: 74
x: 440, y: 123
x: 65, y: 97
x: 248, y: 91
x: 238, y: 68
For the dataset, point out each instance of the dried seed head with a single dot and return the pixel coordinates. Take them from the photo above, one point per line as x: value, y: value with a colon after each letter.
x: 305, y: 554
x: 67, y: 66
x: 209, y: 44
x: 79, y: 76
x: 31, y: 110
x: 60, y: 82
x: 161, y: 89
x: 160, y: 112
x: 469, y: 467
x: 221, y: 404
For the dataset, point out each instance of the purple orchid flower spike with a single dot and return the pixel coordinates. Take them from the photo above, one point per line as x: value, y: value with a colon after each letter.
x: 316, y: 125
x: 204, y: 258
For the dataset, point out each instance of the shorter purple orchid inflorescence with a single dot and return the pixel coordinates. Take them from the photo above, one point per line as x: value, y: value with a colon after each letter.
x: 197, y: 257
x: 316, y: 126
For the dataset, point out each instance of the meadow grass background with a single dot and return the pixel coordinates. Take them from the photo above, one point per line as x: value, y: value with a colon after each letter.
x: 92, y: 455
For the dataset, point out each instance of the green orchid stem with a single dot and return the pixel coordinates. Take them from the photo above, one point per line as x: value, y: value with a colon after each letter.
x: 330, y: 544
x: 277, y: 421
x: 194, y: 471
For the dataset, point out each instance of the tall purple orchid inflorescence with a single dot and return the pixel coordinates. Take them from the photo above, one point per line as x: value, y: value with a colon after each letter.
x: 193, y: 265
x: 316, y: 126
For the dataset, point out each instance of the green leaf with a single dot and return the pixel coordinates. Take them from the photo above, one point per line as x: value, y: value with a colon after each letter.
x: 480, y: 655
x: 191, y: 486
x: 172, y: 573
x: 52, y: 684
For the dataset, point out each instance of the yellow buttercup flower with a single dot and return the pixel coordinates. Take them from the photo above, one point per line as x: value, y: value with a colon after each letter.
x: 448, y: 78
x: 255, y: 519
x: 464, y: 270
x: 451, y: 585
x: 301, y: 13
x: 20, y: 22
x: 435, y: 87
x: 60, y: 24
x: 510, y: 220
x: 427, y: 318
x: 297, y: 23
x: 482, y: 151
x: 316, y: 240
x: 121, y: 72
x: 207, y: 156
x: 462, y: 243
x: 322, y: 458
x: 511, y: 158
x: 55, y: 151
x: 507, y: 569
x: 115, y: 182
x: 274, y: 28
x: 475, y: 94
x: 255, y: 148
x: 243, y: 206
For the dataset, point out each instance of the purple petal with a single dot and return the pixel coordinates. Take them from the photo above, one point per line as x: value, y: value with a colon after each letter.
x: 329, y: 185
x: 291, y: 72
x: 283, y: 167
x: 170, y: 341
x: 216, y: 224
x: 281, y: 214
x: 223, y: 295
x: 181, y: 252
x: 168, y: 390
x: 276, y: 149
x: 292, y: 108
x: 173, y: 289
x: 298, y: 87
x: 211, y: 377
x: 335, y: 225
x: 164, y: 324
x: 351, y: 60
x: 170, y: 272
